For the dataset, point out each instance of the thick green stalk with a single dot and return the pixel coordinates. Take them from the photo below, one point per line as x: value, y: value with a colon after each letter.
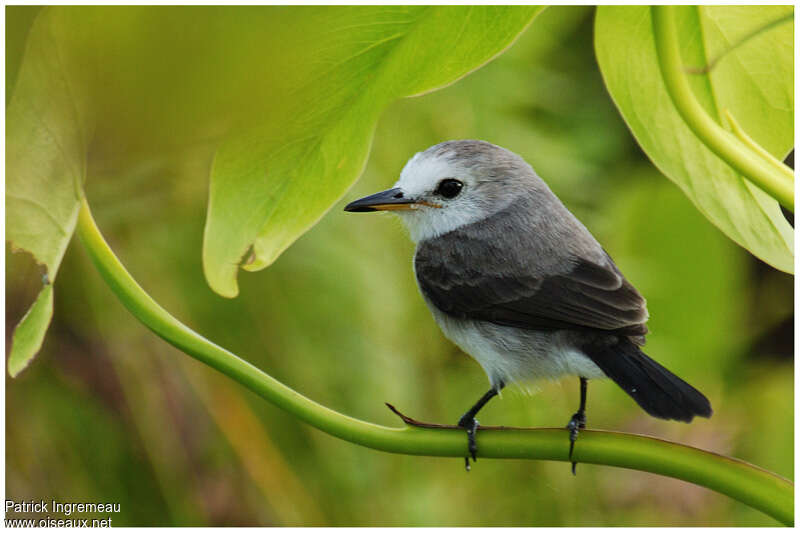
x: 757, y: 488
x: 778, y: 182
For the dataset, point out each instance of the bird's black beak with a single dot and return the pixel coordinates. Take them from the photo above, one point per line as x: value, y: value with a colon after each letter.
x: 391, y: 200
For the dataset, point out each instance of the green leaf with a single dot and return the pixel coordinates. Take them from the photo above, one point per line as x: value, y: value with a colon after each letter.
x: 754, y: 82
x: 29, y: 335
x: 44, y: 171
x: 45, y: 153
x: 273, y: 182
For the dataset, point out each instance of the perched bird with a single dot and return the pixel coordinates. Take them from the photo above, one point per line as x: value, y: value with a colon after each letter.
x: 518, y: 283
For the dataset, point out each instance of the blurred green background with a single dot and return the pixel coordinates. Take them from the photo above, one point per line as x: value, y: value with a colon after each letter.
x: 109, y: 412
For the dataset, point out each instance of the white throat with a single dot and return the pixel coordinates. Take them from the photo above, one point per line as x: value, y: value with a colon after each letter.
x: 429, y: 222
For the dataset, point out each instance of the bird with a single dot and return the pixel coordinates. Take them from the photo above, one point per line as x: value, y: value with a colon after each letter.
x: 517, y: 282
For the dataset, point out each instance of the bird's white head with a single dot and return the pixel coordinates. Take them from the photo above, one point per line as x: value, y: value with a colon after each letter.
x: 453, y: 184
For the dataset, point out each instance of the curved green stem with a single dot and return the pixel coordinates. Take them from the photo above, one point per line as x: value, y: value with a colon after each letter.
x: 751, y: 485
x: 777, y: 182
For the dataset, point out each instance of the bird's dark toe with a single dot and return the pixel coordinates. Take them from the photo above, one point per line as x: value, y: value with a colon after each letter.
x: 470, y: 424
x: 576, y: 423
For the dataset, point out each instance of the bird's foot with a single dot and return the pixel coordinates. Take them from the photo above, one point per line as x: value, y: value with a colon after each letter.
x: 471, y: 425
x: 576, y: 423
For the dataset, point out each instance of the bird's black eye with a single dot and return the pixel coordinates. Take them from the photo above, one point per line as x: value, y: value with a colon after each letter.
x: 449, y: 188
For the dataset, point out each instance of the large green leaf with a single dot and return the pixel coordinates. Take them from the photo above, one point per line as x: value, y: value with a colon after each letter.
x: 45, y: 151
x: 755, y: 82
x: 45, y: 168
x: 270, y: 184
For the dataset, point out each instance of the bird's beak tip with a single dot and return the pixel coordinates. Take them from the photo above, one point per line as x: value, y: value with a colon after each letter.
x: 391, y: 200
x: 351, y: 208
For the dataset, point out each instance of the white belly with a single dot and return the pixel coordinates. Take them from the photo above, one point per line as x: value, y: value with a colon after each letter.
x: 510, y: 354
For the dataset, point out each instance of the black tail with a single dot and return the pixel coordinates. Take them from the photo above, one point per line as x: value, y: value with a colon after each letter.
x: 657, y: 390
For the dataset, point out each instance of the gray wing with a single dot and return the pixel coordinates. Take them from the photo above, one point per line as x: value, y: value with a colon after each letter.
x: 469, y: 276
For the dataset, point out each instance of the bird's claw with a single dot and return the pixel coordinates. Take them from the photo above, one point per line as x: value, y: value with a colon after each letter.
x: 576, y: 423
x: 471, y: 425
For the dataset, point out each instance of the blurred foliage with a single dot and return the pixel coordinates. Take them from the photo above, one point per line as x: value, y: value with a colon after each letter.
x: 100, y: 89
x: 111, y: 413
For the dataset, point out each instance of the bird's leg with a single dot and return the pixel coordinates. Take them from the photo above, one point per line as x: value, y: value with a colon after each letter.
x: 468, y: 422
x: 577, y: 422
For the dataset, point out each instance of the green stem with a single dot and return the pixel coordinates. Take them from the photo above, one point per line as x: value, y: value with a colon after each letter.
x: 754, y: 146
x: 777, y: 182
x: 751, y: 485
